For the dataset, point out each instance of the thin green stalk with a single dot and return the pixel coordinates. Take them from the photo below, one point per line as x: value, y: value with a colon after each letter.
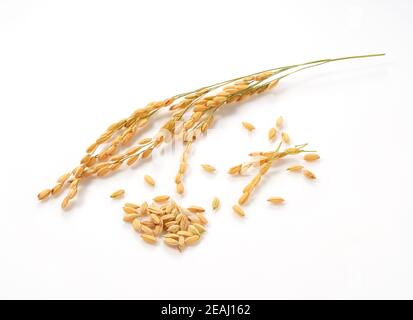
x: 285, y: 68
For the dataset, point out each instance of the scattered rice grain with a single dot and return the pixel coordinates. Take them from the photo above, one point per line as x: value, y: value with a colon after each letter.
x: 149, y: 180
x: 238, y: 210
x: 118, y: 194
x: 215, y: 203
x: 275, y: 200
x: 208, y: 168
x: 295, y: 168
x: 311, y: 157
x: 308, y: 174
x: 248, y: 126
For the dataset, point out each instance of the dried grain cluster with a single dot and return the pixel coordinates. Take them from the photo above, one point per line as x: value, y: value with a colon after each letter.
x: 264, y: 160
x: 179, y: 227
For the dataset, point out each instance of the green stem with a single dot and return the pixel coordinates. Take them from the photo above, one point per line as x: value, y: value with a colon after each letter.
x: 320, y: 62
x: 285, y: 68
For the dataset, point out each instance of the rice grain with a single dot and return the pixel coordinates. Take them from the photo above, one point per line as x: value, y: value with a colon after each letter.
x: 118, y: 194
x: 149, y: 180
x: 148, y: 238
x: 248, y: 126
x: 275, y: 200
x: 238, y: 210
x: 311, y: 157
x: 208, y: 168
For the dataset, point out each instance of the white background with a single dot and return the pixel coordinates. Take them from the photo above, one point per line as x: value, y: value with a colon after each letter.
x: 70, y: 68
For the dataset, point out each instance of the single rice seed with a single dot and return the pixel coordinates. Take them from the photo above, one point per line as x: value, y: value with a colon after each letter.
x: 295, y: 168
x: 145, y: 229
x: 148, y: 238
x: 171, y: 235
x: 130, y: 210
x: 136, y: 225
x: 161, y: 198
x: 173, y: 229
x: 149, y: 180
x: 194, y: 219
x: 238, y: 210
x: 180, y: 189
x: 202, y: 218
x: 311, y: 157
x: 215, y: 203
x: 157, y: 230
x: 44, y: 194
x: 192, y: 240
x: 171, y: 242
x: 57, y: 189
x: 308, y: 174
x: 182, y: 167
x: 155, y: 218
x: 235, y: 169
x: 169, y: 224
x: 272, y: 134
x: 200, y: 227
x: 208, y: 168
x: 195, y: 209
x: 118, y: 194
x: 184, y: 233
x: 275, y: 200
x: 131, y: 205
x: 149, y: 224
x: 285, y: 138
x: 167, y: 217
x: 181, y: 241
x: 194, y: 230
x: 279, y: 123
x: 65, y: 202
x: 248, y: 126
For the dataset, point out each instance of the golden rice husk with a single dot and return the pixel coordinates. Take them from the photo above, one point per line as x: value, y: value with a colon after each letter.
x: 148, y: 238
x: 118, y: 194
x: 238, y: 210
x: 295, y: 168
x: 275, y: 200
x: 44, y: 194
x: 248, y: 126
x: 215, y: 203
x: 149, y: 180
x: 311, y: 157
x: 308, y: 174
x: 208, y: 168
x: 161, y: 198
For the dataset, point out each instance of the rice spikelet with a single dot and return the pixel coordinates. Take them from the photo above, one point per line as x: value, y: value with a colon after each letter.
x: 149, y: 180
x: 275, y: 200
x: 248, y: 126
x: 208, y: 168
x: 118, y: 194
x: 311, y: 157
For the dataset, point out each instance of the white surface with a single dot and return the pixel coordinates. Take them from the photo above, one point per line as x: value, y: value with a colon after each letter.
x: 70, y: 68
